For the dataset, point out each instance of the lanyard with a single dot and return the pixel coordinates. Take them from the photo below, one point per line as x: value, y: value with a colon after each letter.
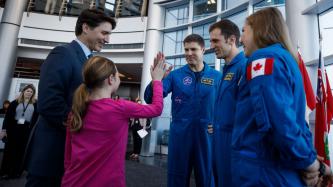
x: 25, y: 107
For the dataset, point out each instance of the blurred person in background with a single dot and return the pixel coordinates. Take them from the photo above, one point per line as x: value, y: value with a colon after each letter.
x: 136, y: 125
x: 5, y: 106
x: 19, y: 120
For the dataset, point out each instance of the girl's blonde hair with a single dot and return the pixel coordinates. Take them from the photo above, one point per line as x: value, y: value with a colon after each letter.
x: 270, y: 28
x: 95, y: 71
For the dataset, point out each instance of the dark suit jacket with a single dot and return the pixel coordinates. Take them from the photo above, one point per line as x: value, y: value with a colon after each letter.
x: 61, y: 74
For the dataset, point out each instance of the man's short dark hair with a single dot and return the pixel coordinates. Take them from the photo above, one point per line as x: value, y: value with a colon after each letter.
x: 227, y: 28
x: 195, y: 38
x: 93, y: 18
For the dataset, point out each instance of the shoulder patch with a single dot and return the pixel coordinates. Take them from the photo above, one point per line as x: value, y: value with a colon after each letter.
x: 187, y: 80
x: 263, y: 66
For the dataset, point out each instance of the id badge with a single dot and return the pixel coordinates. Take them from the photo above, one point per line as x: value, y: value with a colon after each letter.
x: 21, y: 121
x: 142, y: 133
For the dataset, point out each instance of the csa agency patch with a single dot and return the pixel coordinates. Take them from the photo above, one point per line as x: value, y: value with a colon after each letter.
x: 207, y: 81
x: 187, y: 80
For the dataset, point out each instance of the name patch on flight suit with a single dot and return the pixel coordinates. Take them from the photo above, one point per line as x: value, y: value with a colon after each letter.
x: 228, y: 76
x: 207, y: 81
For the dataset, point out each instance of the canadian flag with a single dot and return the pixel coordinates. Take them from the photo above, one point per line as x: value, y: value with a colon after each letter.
x: 263, y: 66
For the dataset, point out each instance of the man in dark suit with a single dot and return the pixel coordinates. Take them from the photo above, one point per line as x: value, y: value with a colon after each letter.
x: 61, y: 74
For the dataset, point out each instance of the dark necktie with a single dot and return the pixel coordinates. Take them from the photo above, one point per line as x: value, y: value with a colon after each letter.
x: 91, y: 55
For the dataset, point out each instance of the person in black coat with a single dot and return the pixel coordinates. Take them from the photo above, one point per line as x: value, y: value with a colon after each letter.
x: 136, y: 125
x: 61, y: 74
x: 19, y: 120
x: 5, y: 106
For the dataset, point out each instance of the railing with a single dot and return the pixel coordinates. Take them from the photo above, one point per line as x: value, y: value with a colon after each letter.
x: 117, y: 8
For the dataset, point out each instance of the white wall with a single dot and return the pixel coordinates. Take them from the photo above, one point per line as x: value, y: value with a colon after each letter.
x: 33, y: 52
x: 326, y: 28
x: 125, y: 58
x: 129, y: 57
x: 49, y: 28
x: 233, y: 3
x: 1, y: 10
x: 43, y: 27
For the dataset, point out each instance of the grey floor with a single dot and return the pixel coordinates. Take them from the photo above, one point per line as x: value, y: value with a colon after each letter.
x: 147, y: 172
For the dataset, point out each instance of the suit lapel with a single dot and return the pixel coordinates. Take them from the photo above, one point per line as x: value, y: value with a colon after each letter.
x: 79, y: 51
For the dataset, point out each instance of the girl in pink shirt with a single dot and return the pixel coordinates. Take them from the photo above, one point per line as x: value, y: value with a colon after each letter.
x: 97, y: 131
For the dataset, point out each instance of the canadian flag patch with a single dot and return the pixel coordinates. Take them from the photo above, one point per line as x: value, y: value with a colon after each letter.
x: 263, y: 66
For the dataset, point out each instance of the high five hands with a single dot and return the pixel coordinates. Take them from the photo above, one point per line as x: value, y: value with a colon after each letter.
x: 166, y: 66
x: 159, y: 70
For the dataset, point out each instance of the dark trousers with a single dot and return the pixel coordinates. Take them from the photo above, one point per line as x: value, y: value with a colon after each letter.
x: 13, y: 157
x: 137, y: 141
x: 39, y: 181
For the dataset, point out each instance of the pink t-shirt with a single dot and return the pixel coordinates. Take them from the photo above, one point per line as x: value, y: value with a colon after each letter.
x: 95, y: 156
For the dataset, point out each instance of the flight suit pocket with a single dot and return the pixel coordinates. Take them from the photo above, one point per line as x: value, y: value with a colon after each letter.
x: 261, y: 115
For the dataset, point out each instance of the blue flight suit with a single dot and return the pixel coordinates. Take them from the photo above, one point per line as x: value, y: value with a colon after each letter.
x: 193, y: 98
x: 271, y: 141
x: 224, y: 119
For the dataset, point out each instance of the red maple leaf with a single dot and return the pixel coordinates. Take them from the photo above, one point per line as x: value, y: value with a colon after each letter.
x: 257, y: 67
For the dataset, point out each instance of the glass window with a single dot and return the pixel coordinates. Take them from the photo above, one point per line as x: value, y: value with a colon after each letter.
x: 110, y: 5
x: 268, y: 3
x: 280, y: 4
x: 169, y: 43
x: 131, y: 8
x: 222, y: 62
x: 203, y: 8
x: 203, y: 30
x: 177, y: 62
x: 209, y: 58
x: 326, y: 28
x: 173, y: 42
x: 179, y: 42
x: 239, y: 19
x: 234, y: 3
x: 176, y: 16
x: 75, y: 7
